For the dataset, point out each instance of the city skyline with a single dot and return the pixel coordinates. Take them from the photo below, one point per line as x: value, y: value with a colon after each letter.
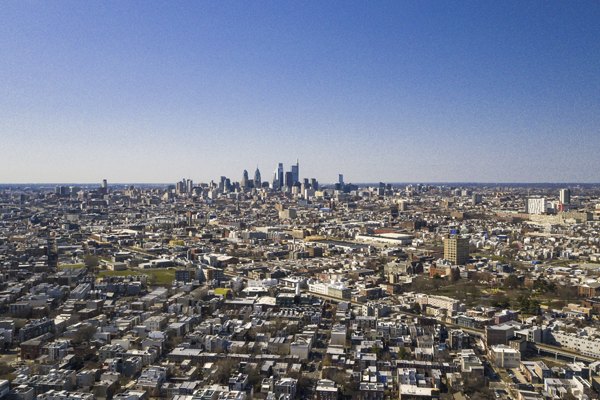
x: 393, y: 92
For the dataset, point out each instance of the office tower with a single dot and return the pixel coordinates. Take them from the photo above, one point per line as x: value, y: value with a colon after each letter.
x: 289, y: 179
x: 280, y: 175
x: 61, y: 190
x: 565, y: 196
x: 341, y: 179
x: 476, y: 199
x: 189, y: 185
x: 104, y: 186
x: 257, y: 179
x: 295, y: 173
x: 456, y: 250
x: 245, y: 183
x: 222, y: 184
x: 314, y: 184
x: 181, y: 187
x: 394, y: 211
x: 535, y: 205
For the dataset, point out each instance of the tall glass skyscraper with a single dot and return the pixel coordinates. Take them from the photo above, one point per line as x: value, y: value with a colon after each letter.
x: 296, y: 173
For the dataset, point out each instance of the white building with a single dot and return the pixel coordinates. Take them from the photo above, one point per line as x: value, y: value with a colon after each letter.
x: 536, y: 205
x: 582, y: 342
x: 301, y: 348
x: 443, y: 302
x: 505, y: 357
x: 338, y: 335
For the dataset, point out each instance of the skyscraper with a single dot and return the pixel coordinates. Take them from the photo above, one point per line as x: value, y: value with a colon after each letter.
x: 295, y: 173
x: 289, y: 179
x: 257, y: 180
x: 245, y: 183
x: 314, y: 184
x: 565, y: 196
x: 280, y: 175
x: 104, y: 186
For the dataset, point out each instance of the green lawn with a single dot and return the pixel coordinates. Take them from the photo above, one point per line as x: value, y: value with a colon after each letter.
x: 159, y: 276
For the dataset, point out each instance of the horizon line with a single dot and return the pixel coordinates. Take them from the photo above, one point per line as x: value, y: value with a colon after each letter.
x: 326, y: 183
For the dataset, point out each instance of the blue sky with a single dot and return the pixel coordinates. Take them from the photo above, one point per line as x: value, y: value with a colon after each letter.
x: 155, y: 91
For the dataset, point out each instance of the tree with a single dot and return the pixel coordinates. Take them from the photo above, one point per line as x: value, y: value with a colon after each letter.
x: 565, y: 293
x: 84, y: 334
x: 512, y: 282
x: 254, y: 378
x: 304, y: 386
x: 500, y: 300
x: 528, y: 305
x: 91, y: 262
x: 225, y: 368
x: 403, y: 353
x: 475, y: 389
x: 376, y: 350
x: 416, y: 308
x: 543, y: 286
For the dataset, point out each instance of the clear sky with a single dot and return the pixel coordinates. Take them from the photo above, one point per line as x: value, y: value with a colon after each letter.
x: 151, y: 91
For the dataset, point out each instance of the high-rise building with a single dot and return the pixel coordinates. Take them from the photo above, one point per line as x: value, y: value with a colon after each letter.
x: 257, y: 179
x: 289, y: 179
x: 104, y: 186
x: 245, y: 183
x: 61, y: 190
x: 456, y: 249
x: 314, y: 184
x: 341, y: 179
x: 402, y: 205
x: 565, y: 196
x: 295, y: 173
x: 536, y: 205
x: 181, y: 187
x: 280, y: 175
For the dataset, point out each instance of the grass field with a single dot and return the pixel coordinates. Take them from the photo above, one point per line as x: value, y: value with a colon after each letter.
x: 159, y: 276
